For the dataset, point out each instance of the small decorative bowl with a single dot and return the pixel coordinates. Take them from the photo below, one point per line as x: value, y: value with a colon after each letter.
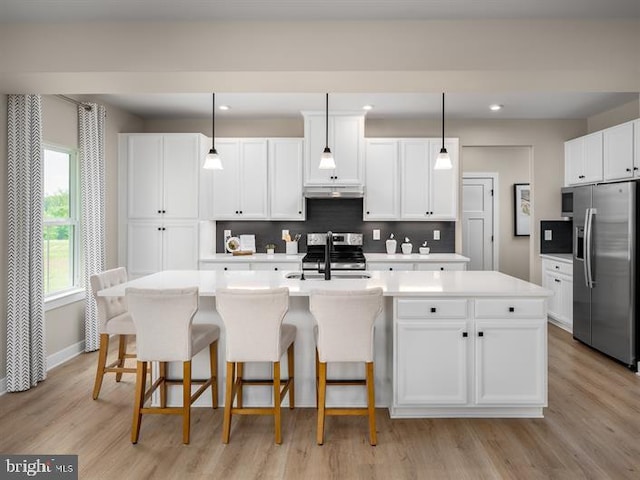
x: 424, y: 250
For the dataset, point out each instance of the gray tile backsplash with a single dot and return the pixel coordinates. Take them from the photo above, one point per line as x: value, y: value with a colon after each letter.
x: 341, y: 215
x: 561, y: 238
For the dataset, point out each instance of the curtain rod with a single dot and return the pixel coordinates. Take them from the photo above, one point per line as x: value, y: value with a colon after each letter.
x: 69, y: 99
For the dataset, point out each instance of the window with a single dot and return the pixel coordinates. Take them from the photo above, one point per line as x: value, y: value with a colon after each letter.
x: 61, y: 259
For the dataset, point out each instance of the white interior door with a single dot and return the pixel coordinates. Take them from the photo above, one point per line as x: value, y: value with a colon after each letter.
x: 478, y: 222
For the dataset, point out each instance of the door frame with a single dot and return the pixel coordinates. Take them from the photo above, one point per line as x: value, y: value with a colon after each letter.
x: 496, y: 213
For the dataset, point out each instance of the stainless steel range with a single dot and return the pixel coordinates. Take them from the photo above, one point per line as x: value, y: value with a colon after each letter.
x: 346, y: 252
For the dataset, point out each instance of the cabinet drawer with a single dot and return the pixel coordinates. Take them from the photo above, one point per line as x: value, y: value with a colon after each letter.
x: 436, y: 308
x: 507, y: 308
x: 224, y: 266
x: 434, y: 266
x: 390, y: 266
x: 558, y: 267
x: 276, y: 266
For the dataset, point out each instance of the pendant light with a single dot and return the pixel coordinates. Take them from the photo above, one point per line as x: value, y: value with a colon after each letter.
x: 326, y: 160
x: 212, y: 160
x: 443, y: 162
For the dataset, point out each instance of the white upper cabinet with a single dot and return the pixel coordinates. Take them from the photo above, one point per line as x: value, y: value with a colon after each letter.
x: 346, y: 141
x: 584, y: 159
x: 426, y: 193
x: 618, y: 152
x: 240, y: 189
x: 285, y: 179
x: 163, y: 175
x: 381, y: 180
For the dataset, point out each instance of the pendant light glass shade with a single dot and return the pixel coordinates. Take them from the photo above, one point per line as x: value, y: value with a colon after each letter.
x: 327, y: 161
x: 212, y: 160
x: 443, y: 161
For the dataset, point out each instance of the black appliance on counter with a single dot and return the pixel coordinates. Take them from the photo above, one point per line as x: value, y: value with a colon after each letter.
x: 346, y: 253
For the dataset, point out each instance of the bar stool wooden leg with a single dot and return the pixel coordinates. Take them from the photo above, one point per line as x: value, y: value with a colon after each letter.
x: 290, y: 371
x: 239, y: 377
x: 163, y: 386
x: 213, y: 364
x: 277, y: 399
x: 141, y: 381
x: 102, y: 362
x: 228, y: 402
x: 122, y: 351
x: 322, y: 390
x: 186, y: 401
x: 317, y: 377
x: 371, y: 405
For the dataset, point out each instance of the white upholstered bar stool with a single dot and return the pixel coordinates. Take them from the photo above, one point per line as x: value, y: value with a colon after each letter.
x: 344, y: 333
x: 114, y: 319
x: 255, y: 332
x: 166, y: 333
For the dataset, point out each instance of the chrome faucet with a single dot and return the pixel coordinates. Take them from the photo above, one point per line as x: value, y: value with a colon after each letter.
x: 327, y: 255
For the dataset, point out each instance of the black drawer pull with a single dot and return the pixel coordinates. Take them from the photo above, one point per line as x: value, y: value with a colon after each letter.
x: 557, y: 267
x: 628, y: 169
x: 481, y: 334
x: 433, y: 309
x: 512, y: 309
x: 465, y: 334
x: 556, y: 280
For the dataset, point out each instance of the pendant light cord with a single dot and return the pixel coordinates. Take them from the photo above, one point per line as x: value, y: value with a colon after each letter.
x: 442, y: 119
x: 326, y: 125
x: 213, y: 121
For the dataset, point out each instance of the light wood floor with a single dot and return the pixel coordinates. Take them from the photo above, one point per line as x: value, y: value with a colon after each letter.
x: 590, y: 430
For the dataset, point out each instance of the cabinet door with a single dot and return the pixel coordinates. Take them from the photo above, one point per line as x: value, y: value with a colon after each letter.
x: 511, y: 362
x: 414, y: 176
x: 381, y: 179
x: 314, y: 143
x: 618, y: 152
x: 180, y: 246
x: 566, y: 308
x: 253, y: 179
x: 431, y: 362
x: 636, y: 153
x: 443, y: 184
x: 592, y: 158
x: 348, y: 145
x: 226, y: 182
x: 144, y: 254
x: 440, y: 266
x: 285, y: 179
x: 225, y: 266
x: 552, y: 282
x: 181, y: 176
x: 573, y: 161
x: 144, y: 165
x: 276, y: 266
x: 390, y: 266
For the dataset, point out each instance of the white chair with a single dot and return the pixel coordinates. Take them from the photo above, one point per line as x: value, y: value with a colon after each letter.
x: 344, y: 333
x: 114, y: 319
x: 166, y: 333
x: 254, y: 332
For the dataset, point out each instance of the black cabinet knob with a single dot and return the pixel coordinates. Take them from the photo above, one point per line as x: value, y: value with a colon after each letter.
x: 226, y: 268
x: 628, y: 169
x: 390, y: 268
x: 368, y: 212
x: 441, y: 268
x: 635, y: 168
x: 299, y: 212
x: 512, y: 309
x: 556, y: 280
x: 159, y: 211
x: 557, y: 267
x: 240, y: 212
x: 433, y: 309
x: 164, y: 211
x: 163, y: 229
x: 481, y: 334
x: 275, y: 268
x: 465, y: 334
x: 158, y: 228
x: 236, y: 212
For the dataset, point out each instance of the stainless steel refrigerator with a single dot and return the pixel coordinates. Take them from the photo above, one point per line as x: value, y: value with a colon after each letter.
x: 604, y: 269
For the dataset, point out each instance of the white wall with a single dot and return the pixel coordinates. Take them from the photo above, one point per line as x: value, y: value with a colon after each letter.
x: 615, y: 116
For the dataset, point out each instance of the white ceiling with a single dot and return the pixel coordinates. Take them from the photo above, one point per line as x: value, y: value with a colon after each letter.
x: 47, y: 11
x: 386, y: 105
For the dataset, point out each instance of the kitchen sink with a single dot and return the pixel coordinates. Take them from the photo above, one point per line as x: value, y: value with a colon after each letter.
x: 334, y: 275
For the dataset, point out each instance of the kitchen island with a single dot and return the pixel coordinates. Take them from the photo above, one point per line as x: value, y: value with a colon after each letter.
x: 447, y: 344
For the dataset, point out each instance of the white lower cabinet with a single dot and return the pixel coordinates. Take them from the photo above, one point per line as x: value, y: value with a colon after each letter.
x: 408, y: 266
x: 277, y: 266
x: 449, y: 362
x: 238, y: 265
x: 157, y: 246
x: 558, y: 277
x: 441, y: 266
x: 224, y: 266
x: 389, y: 266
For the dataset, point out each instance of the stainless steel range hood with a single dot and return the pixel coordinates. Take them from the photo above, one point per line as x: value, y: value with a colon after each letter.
x: 342, y: 191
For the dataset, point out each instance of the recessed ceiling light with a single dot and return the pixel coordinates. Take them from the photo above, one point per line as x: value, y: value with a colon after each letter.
x: 367, y: 107
x: 495, y: 107
x: 224, y: 107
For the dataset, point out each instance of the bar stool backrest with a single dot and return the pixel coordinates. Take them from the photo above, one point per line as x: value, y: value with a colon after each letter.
x: 108, y: 307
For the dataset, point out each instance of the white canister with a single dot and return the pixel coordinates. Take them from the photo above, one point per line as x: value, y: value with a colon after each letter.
x: 391, y: 246
x: 291, y: 248
x: 406, y: 248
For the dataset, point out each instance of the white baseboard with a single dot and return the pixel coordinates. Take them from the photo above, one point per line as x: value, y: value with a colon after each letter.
x: 53, y: 360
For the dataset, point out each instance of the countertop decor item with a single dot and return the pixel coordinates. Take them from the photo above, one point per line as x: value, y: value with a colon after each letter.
x: 407, y: 246
x: 232, y: 244
x: 271, y: 249
x: 424, y: 250
x: 391, y: 245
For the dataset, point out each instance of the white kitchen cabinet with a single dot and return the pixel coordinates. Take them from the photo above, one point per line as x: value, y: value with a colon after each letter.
x: 162, y: 174
x: 426, y: 193
x: 584, y: 159
x: 346, y: 141
x: 557, y: 276
x: 240, y: 190
x: 154, y: 246
x: 381, y: 199
x: 242, y: 265
x: 417, y: 265
x: 618, y: 152
x: 276, y: 266
x: 225, y: 266
x: 286, y: 200
x: 441, y: 266
x: 390, y: 266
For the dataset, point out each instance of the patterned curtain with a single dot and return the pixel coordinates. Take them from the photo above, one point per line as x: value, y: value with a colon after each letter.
x: 92, y: 128
x: 26, y: 355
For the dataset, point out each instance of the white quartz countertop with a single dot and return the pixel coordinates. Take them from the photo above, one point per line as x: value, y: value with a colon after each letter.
x: 255, y: 258
x: 415, y: 257
x: 560, y: 257
x: 396, y: 283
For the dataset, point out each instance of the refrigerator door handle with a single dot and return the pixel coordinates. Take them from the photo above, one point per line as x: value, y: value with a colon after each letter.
x: 588, y: 237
